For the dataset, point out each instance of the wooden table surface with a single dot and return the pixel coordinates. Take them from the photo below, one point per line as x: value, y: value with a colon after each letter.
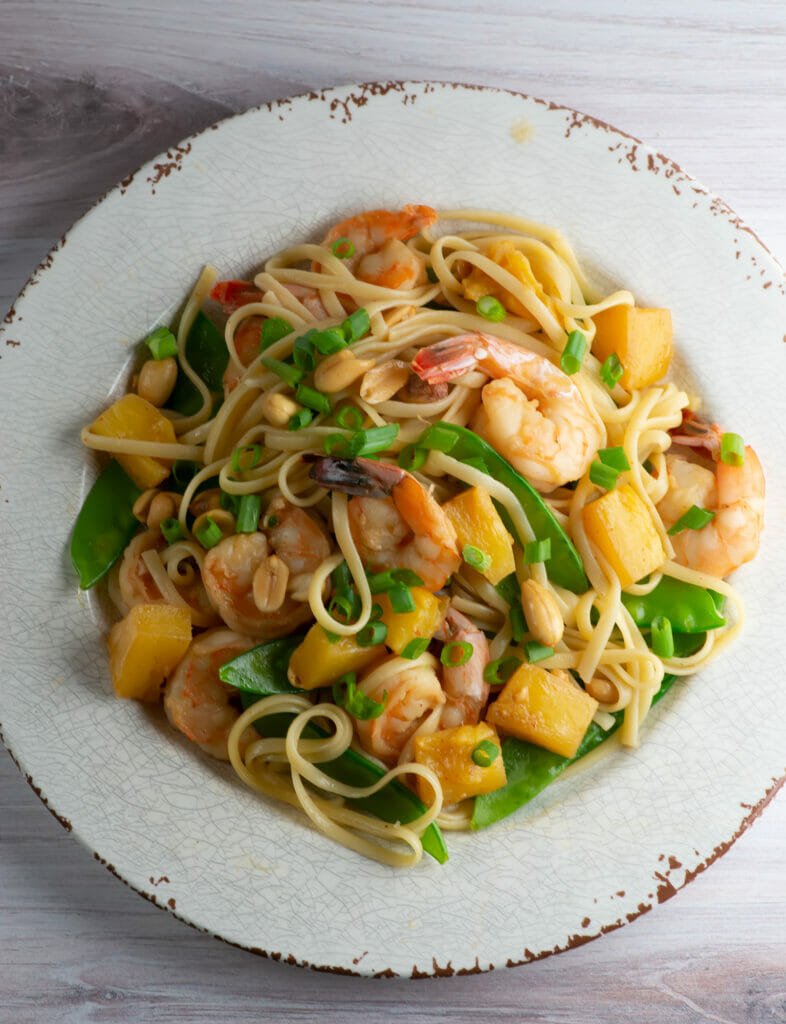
x: 89, y: 90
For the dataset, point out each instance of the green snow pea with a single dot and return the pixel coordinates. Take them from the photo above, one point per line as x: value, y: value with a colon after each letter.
x: 206, y: 351
x: 689, y: 608
x: 105, y: 524
x: 530, y: 768
x: 261, y: 672
x: 564, y: 566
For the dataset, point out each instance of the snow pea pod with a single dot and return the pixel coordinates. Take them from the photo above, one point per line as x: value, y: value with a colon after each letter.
x: 689, y: 608
x: 530, y: 768
x: 262, y: 672
x: 105, y: 524
x: 206, y: 351
x: 564, y: 566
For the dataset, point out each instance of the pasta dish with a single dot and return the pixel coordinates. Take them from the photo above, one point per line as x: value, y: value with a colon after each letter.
x: 412, y: 520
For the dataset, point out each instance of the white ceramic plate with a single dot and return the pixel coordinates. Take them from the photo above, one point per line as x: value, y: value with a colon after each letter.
x: 596, y: 849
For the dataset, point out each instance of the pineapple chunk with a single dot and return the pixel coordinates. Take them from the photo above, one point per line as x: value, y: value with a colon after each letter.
x: 449, y: 755
x: 509, y: 258
x: 146, y: 646
x: 478, y: 523
x: 640, y: 337
x: 133, y: 418
x: 405, y: 626
x: 619, y: 524
x: 546, y: 708
x: 318, y: 662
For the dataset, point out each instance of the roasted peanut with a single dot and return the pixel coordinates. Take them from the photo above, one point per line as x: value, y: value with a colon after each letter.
x: 270, y: 584
x: 398, y: 314
x: 156, y: 380
x: 278, y: 409
x: 603, y: 690
x: 339, y: 371
x: 542, y: 613
x: 382, y: 382
x: 163, y: 506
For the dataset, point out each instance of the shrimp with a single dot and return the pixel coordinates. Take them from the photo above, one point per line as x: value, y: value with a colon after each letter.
x: 734, y: 493
x: 532, y: 412
x: 137, y: 585
x: 414, y: 702
x: 196, y: 701
x: 465, y: 688
x: 379, y: 255
x: 261, y: 593
x: 395, y: 522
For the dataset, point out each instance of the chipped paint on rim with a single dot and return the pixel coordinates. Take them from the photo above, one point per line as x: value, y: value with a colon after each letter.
x: 342, y: 105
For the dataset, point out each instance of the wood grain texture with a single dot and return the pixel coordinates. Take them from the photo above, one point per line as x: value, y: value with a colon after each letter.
x: 88, y: 91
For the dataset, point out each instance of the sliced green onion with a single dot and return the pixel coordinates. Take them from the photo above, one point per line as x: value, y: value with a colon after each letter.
x: 349, y: 417
x: 611, y: 371
x: 162, y: 343
x: 332, y: 638
x: 303, y: 353
x: 312, y: 398
x: 415, y: 648
x: 431, y: 274
x: 229, y: 502
x: 401, y: 599
x: 376, y: 613
x: 694, y: 519
x: 336, y: 444
x: 346, y: 604
x: 371, y: 634
x: 574, y: 352
x: 485, y: 753
x: 732, y: 449
x: 496, y: 673
x: 274, y: 330
x: 456, y: 653
x: 356, y: 325
x: 537, y: 652
x: 518, y: 624
x: 603, y: 476
x: 374, y: 439
x: 615, y: 458
x: 537, y: 551
x: 209, y: 533
x: 172, y: 530
x: 300, y: 419
x: 329, y: 341
x: 412, y: 457
x: 289, y: 374
x: 490, y: 309
x: 247, y: 457
x: 662, y: 637
x: 438, y: 439
x: 476, y: 558
x: 270, y: 522
x: 354, y: 701
x: 341, y: 576
x: 343, y: 248
x: 383, y: 582
x: 184, y: 471
x: 249, y: 509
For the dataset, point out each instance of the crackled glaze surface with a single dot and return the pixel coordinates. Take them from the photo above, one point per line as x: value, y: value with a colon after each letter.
x: 178, y: 828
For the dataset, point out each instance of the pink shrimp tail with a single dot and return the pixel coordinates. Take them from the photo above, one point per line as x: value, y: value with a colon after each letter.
x: 448, y: 359
x: 694, y: 432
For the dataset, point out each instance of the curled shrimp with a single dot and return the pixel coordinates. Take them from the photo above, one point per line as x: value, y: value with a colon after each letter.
x: 466, y: 691
x: 258, y: 586
x: 532, y: 412
x: 196, y: 701
x: 395, y: 522
x: 734, y: 493
x: 379, y: 255
x: 137, y: 585
x: 413, y: 705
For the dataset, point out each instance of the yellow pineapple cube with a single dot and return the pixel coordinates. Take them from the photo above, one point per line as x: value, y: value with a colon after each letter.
x: 405, y: 626
x: 318, y: 662
x: 449, y: 755
x: 619, y: 524
x: 640, y: 337
x: 477, y: 523
x: 145, y: 647
x: 133, y: 418
x: 545, y: 708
